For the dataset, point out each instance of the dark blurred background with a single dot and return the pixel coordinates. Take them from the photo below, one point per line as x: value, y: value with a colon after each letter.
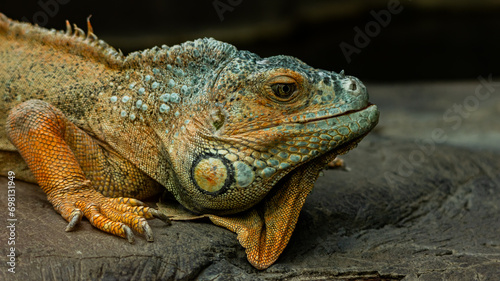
x: 423, y: 40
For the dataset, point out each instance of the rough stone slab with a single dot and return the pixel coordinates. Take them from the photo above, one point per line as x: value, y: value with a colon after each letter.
x: 436, y: 220
x: 467, y: 112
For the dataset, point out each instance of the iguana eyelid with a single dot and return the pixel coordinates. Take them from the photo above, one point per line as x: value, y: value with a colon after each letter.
x: 282, y: 79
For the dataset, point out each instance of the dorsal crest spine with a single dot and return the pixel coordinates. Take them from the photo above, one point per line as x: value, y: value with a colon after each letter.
x: 73, y: 40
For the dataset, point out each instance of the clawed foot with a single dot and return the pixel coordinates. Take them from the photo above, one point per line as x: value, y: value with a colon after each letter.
x: 118, y: 216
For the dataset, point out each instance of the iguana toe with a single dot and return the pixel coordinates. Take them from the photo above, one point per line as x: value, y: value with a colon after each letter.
x: 118, y: 216
x: 159, y: 215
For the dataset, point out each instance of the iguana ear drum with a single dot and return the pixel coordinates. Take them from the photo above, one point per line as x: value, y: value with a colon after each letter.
x: 212, y: 174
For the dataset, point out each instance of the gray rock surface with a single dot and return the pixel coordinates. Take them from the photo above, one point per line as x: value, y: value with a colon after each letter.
x: 402, y: 212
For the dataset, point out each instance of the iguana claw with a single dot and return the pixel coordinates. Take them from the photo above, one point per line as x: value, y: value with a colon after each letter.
x: 75, y: 220
x: 129, y: 234
x: 148, y: 232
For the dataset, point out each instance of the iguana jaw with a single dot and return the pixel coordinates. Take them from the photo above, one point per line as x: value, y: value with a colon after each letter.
x: 264, y: 230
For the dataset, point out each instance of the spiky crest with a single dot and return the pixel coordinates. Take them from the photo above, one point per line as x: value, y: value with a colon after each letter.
x: 202, y: 52
x: 206, y: 51
x: 73, y: 41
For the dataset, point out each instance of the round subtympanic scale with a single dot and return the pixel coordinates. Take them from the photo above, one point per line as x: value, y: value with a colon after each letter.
x: 210, y: 174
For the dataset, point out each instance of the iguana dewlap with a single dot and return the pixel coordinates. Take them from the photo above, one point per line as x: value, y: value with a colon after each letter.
x: 231, y: 135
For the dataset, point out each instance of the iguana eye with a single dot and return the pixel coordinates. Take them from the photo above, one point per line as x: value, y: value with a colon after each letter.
x: 284, y: 90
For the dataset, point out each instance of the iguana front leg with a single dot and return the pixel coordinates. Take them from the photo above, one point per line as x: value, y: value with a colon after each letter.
x: 56, y: 151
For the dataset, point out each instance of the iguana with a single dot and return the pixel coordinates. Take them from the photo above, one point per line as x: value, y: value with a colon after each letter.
x: 236, y: 137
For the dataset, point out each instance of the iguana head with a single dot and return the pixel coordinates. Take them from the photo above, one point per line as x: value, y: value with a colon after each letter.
x: 268, y: 117
x: 269, y: 127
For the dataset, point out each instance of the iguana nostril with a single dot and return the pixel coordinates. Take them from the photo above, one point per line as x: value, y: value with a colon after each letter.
x: 353, y: 86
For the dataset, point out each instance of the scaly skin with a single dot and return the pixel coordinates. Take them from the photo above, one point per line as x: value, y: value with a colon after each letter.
x: 233, y: 136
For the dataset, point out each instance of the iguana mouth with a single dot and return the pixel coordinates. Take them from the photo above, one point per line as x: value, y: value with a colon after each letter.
x: 343, y: 113
x: 301, y: 121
